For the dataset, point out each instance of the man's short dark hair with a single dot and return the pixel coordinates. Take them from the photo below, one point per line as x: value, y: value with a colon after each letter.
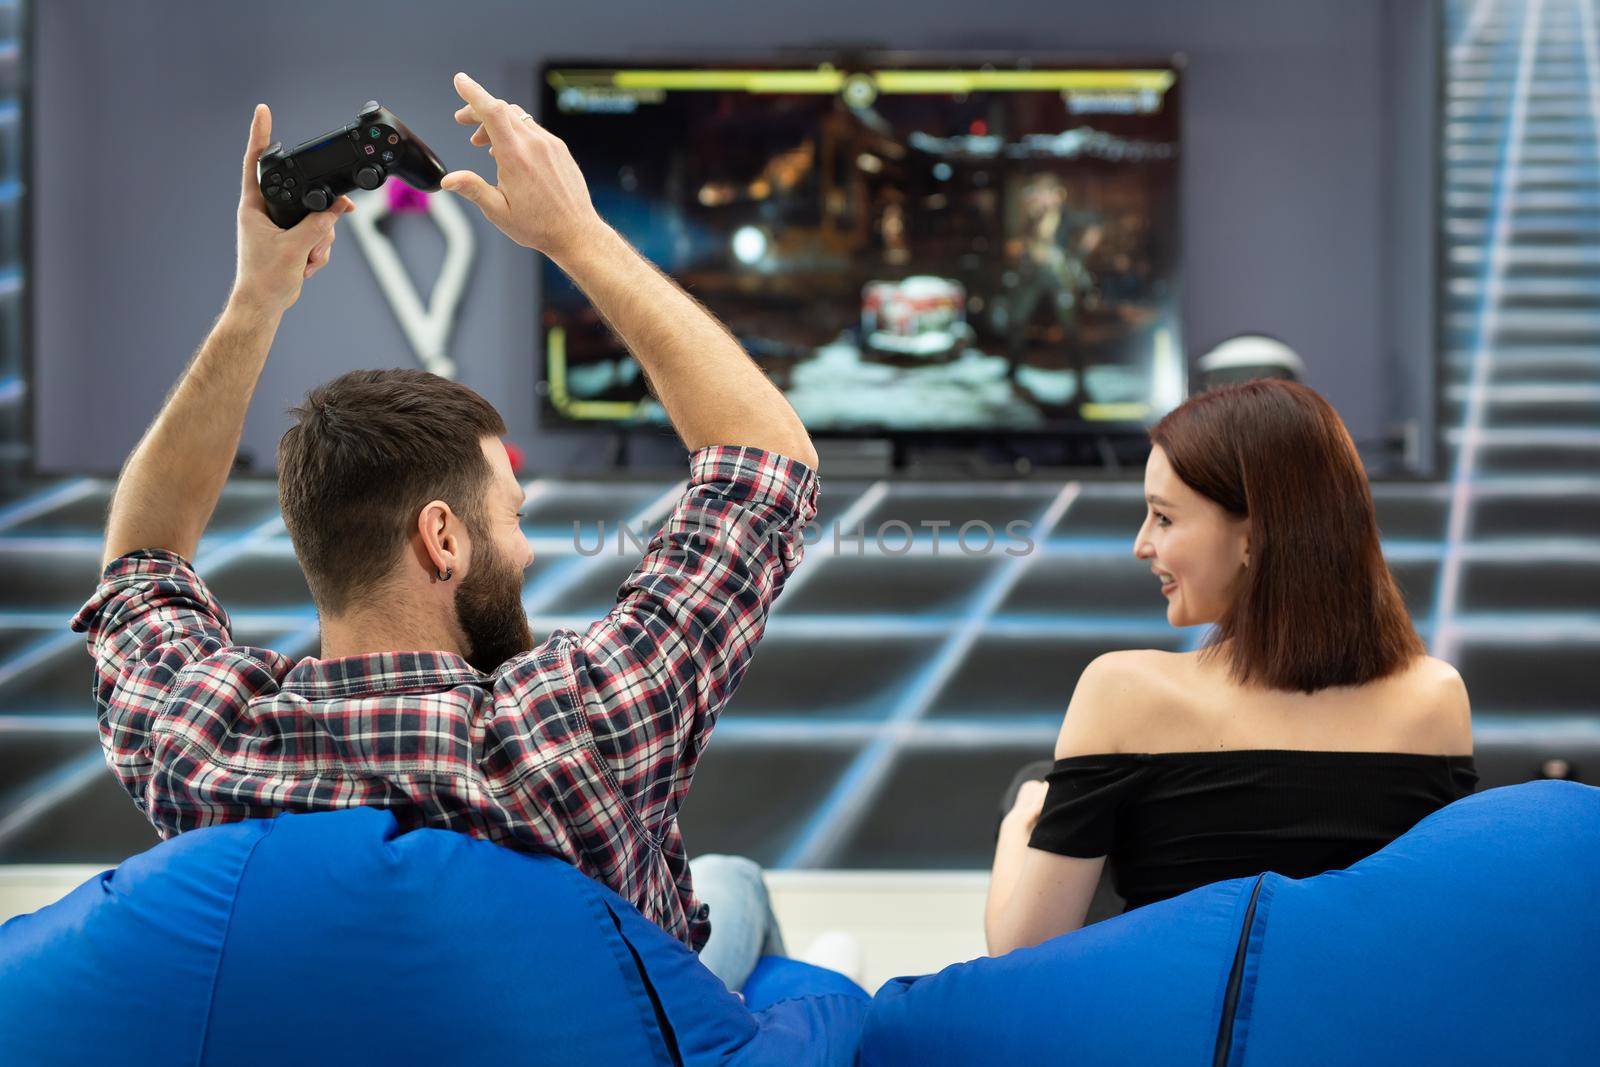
x: 366, y: 452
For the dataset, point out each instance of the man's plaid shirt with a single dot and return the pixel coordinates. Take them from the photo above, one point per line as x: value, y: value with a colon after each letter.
x: 583, y: 747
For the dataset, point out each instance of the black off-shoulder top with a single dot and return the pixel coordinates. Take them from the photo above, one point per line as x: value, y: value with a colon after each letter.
x: 1170, y: 822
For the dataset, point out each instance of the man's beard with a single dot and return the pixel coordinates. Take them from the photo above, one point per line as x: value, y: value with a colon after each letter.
x: 489, y: 611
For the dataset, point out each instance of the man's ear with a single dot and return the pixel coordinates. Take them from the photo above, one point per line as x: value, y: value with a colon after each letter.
x: 441, y: 547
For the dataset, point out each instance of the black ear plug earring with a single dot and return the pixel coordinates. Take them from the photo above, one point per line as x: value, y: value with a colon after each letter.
x: 445, y: 577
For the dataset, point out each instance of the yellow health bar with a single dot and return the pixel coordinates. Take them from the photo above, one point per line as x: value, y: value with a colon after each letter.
x: 828, y: 80
x: 972, y: 81
x: 822, y: 80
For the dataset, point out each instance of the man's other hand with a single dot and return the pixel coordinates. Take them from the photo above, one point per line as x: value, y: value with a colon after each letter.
x: 274, y: 263
x: 541, y: 200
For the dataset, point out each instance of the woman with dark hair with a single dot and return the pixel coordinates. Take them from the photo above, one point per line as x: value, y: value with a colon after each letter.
x: 1310, y: 729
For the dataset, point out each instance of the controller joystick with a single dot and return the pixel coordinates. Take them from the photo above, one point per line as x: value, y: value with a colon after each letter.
x: 361, y: 155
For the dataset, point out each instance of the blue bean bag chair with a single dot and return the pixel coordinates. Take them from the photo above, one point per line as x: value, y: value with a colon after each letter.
x: 1472, y: 939
x: 334, y: 938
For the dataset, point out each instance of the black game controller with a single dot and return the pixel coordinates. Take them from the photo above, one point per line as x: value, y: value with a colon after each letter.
x: 361, y: 155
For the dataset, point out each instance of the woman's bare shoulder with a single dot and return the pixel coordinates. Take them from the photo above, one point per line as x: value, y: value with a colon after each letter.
x: 1442, y: 722
x: 1117, y: 697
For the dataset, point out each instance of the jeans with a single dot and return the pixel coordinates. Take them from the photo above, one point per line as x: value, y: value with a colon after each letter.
x: 743, y: 928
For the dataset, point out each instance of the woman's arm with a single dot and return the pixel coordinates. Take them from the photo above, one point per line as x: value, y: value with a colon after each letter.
x: 1034, y: 895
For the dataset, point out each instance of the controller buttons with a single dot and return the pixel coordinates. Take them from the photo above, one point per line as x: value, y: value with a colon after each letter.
x: 288, y: 183
x: 394, y: 138
x: 387, y: 157
x: 375, y: 133
x: 368, y: 149
x: 274, y: 178
x: 285, y: 195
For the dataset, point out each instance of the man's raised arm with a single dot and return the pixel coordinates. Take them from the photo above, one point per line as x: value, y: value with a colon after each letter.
x: 712, y: 391
x: 171, y: 482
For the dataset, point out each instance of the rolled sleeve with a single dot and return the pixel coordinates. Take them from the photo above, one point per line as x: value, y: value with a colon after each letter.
x: 657, y: 670
x: 150, y: 617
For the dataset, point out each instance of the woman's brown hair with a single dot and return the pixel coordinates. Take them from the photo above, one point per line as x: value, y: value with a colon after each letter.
x: 1317, y: 606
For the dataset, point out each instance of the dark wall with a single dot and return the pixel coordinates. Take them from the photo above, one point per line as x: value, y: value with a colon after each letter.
x: 1307, y: 187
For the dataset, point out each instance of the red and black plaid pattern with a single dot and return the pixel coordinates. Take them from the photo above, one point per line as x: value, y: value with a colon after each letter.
x: 583, y: 747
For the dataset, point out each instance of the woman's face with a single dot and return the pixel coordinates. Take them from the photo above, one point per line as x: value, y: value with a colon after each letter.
x: 1195, y: 548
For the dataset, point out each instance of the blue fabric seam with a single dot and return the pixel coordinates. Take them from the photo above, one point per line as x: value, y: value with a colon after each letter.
x: 1241, y: 905
x: 813, y: 998
x: 1224, y: 1051
x: 227, y: 933
x: 635, y: 978
x: 1239, y: 1025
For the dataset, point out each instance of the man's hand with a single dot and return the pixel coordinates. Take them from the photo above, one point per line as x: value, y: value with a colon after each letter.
x: 713, y: 392
x: 541, y: 200
x: 274, y: 263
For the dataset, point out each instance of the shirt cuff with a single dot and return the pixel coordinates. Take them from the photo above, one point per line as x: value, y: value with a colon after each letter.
x: 139, y: 567
x: 782, y: 491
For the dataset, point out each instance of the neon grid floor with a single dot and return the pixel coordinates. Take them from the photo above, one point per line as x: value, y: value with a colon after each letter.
x: 896, y: 692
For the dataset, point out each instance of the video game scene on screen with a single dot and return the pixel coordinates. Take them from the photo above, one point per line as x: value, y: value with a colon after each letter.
x: 902, y: 250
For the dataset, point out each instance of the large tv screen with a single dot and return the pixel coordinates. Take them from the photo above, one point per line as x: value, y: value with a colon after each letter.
x: 907, y: 247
